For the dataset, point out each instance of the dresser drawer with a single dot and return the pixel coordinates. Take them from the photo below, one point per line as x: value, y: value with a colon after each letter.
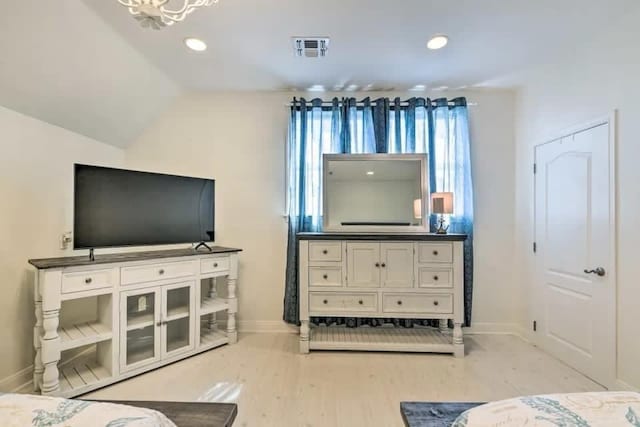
x: 417, y: 303
x: 435, y: 252
x: 148, y: 273
x: 435, y: 277
x: 88, y: 280
x: 325, y: 276
x: 213, y: 265
x: 325, y: 251
x: 343, y: 302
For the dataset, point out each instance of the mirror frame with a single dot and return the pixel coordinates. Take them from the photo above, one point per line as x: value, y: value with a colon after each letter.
x: 424, y: 164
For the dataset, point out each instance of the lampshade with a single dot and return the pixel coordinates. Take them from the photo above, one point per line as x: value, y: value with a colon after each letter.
x: 417, y: 208
x: 442, y: 203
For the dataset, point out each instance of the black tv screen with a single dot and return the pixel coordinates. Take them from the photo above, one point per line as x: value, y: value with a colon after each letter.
x: 117, y: 207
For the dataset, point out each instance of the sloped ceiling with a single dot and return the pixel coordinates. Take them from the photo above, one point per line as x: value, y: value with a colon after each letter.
x: 61, y: 63
x: 373, y: 42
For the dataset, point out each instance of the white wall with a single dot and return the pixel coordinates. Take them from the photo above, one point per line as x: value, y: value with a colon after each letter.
x: 589, y: 83
x: 239, y: 139
x: 36, y: 199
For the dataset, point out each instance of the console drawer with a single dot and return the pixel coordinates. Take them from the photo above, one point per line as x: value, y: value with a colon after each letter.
x: 435, y: 252
x: 343, y: 302
x: 213, y: 265
x: 88, y: 280
x: 435, y: 277
x: 325, y: 251
x: 148, y: 273
x: 417, y: 303
x: 325, y: 276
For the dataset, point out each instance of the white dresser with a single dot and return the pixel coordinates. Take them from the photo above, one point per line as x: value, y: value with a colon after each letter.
x: 406, y: 276
x: 99, y: 322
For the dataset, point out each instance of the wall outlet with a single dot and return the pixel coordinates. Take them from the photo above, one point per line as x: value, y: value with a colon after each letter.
x: 66, y: 239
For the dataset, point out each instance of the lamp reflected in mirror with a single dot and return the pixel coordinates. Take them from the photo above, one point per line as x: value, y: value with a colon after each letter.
x: 442, y: 204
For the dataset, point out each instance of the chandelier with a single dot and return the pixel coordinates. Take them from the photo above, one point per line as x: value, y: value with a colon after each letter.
x: 155, y: 13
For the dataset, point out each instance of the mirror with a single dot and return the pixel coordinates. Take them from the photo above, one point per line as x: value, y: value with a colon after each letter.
x: 375, y: 192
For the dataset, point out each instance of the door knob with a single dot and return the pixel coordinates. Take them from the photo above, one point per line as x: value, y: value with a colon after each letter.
x: 598, y: 271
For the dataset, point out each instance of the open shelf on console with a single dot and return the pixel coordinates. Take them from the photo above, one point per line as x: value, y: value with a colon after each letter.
x: 85, y: 321
x: 85, y: 368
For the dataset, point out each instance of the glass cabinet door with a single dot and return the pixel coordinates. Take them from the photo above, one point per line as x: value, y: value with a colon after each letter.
x: 141, y: 331
x: 178, y: 318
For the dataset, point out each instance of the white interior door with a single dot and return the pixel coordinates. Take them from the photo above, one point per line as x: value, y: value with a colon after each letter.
x: 575, y: 306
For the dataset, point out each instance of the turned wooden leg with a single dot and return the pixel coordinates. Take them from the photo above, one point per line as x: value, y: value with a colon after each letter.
x: 213, y: 293
x: 232, y: 333
x: 38, y: 367
x: 304, y: 336
x: 458, y: 342
x: 50, y: 352
x: 443, y: 325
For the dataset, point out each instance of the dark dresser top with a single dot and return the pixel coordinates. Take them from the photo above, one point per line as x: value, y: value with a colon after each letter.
x: 427, y: 237
x: 77, y: 261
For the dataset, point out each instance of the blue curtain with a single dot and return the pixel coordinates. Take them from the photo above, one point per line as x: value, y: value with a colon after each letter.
x: 438, y: 127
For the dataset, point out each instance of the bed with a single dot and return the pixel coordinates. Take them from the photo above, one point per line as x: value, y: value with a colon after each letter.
x: 18, y: 410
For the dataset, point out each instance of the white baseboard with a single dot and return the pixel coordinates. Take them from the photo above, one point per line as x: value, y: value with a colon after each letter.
x: 266, y: 326
x: 479, y: 328
x: 20, y: 382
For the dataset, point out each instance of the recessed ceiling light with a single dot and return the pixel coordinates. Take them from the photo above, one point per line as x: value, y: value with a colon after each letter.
x: 438, y: 41
x: 370, y: 173
x: 316, y: 88
x: 195, y: 44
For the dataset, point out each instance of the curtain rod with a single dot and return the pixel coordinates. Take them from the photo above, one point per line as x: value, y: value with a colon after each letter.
x: 360, y: 103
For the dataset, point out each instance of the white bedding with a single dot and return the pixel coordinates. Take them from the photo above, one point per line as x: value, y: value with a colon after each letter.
x: 20, y: 410
x: 600, y: 409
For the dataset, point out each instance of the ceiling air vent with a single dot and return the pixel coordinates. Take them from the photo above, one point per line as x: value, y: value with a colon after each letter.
x: 310, y: 47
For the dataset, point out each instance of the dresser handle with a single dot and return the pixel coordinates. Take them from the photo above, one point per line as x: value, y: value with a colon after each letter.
x: 325, y: 302
x: 435, y: 303
x: 435, y: 278
x: 435, y: 253
x: 325, y: 277
x: 215, y: 264
x: 161, y: 272
x: 399, y: 302
x: 383, y: 265
x: 88, y: 280
x: 377, y: 264
x: 324, y: 251
x: 360, y: 302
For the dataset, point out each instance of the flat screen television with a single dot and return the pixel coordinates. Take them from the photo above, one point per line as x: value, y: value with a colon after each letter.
x: 117, y: 207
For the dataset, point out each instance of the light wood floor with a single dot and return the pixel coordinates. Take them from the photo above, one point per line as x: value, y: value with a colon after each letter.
x: 275, y: 386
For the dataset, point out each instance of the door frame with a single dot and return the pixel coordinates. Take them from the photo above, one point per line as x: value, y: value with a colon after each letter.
x: 535, y: 304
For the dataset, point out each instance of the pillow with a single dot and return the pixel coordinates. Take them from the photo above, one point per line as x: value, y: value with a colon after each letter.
x: 601, y: 409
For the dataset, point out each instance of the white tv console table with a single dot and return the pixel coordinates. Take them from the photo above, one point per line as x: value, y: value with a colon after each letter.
x: 99, y: 322
x: 382, y: 275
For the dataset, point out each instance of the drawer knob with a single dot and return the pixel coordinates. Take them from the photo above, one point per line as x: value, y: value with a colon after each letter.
x: 215, y: 264
x: 435, y: 303
x: 383, y: 265
x: 360, y: 302
x: 88, y: 280
x: 325, y: 302
x: 435, y: 278
x: 161, y: 271
x: 399, y: 302
x: 378, y: 264
x: 324, y: 251
x: 325, y: 277
x: 435, y: 253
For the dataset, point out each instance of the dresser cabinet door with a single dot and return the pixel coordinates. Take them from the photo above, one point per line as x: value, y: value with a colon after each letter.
x: 396, y: 267
x: 363, y: 265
